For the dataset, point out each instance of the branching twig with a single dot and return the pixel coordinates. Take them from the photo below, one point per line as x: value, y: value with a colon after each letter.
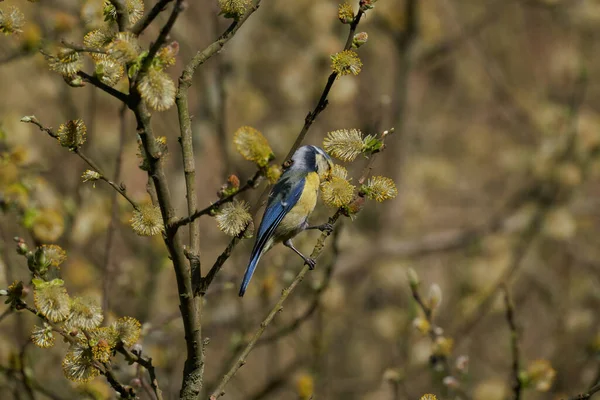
x: 514, y: 344
x: 250, y: 183
x: 120, y: 189
x: 160, y: 40
x: 147, y: 19
x: 322, y: 104
x: 146, y: 363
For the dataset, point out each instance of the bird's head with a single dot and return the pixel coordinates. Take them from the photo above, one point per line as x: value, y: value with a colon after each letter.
x: 312, y: 159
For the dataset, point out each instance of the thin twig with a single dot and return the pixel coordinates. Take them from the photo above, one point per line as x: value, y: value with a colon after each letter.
x: 6, y: 313
x: 104, y: 87
x: 160, y: 40
x: 588, y: 394
x: 147, y: 19
x: 146, y: 363
x: 22, y: 371
x: 514, y: 345
x: 524, y: 242
x: 316, y: 298
x: 125, y: 392
x: 203, y: 55
x: 250, y: 183
x: 322, y: 103
x: 241, y: 359
x: 88, y: 161
x: 207, y: 280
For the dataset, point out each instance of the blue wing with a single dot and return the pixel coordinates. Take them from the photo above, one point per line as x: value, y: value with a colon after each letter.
x: 282, y: 199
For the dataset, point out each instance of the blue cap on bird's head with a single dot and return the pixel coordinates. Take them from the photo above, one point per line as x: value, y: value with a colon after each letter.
x: 312, y: 158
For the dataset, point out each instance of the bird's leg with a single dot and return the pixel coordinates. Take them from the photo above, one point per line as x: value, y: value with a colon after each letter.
x: 311, y: 262
x: 327, y: 227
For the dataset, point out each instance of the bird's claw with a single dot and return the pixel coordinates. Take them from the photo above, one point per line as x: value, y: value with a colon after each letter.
x: 327, y: 227
x: 311, y: 262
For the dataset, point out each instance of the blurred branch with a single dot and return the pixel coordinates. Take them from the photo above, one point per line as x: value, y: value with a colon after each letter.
x: 250, y: 184
x: 276, y: 381
x: 13, y: 374
x: 119, y: 188
x: 143, y: 23
x: 438, y: 50
x: 6, y: 313
x: 514, y: 344
x: 322, y: 104
x: 22, y: 371
x: 241, y: 359
x: 185, y: 81
x: 108, y: 273
x: 146, y: 363
x: 16, y: 55
x: 588, y: 394
x: 316, y: 298
x: 104, y: 87
x: 523, y: 244
x: 545, y: 194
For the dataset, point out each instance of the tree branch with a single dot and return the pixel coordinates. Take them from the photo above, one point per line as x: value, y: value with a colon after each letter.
x: 322, y: 104
x: 119, y: 188
x: 588, y: 395
x: 147, y: 19
x: 160, y: 40
x: 241, y: 359
x: 104, y: 87
x: 146, y: 363
x: 250, y: 184
x: 514, y: 344
x: 122, y: 14
x: 191, y: 383
x: 185, y: 81
x: 316, y: 300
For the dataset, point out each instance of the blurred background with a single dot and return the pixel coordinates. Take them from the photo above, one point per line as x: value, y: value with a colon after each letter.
x: 495, y: 106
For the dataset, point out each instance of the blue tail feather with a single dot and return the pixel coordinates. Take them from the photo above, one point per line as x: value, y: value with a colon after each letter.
x: 249, y: 272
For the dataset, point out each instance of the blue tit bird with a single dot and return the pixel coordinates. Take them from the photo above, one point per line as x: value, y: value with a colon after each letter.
x: 291, y: 200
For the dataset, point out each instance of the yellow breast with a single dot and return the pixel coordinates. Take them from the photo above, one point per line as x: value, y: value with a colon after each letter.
x: 298, y: 215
